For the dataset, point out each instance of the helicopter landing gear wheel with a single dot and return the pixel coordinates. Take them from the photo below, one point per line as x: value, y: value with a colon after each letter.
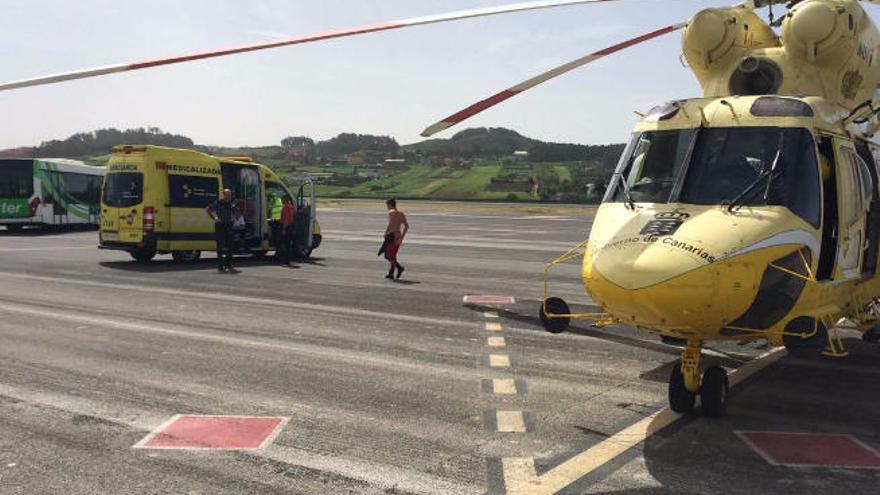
x: 681, y: 400
x: 713, y: 392
x: 672, y: 340
x: 811, y: 341
x: 684, y: 381
x: 554, y: 306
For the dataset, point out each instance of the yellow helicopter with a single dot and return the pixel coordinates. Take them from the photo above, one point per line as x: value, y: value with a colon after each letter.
x: 752, y: 212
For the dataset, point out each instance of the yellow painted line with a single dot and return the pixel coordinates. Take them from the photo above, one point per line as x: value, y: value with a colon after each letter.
x: 493, y: 327
x: 504, y: 386
x: 499, y: 360
x: 490, y: 314
x: 511, y: 422
x: 521, y: 478
x: 496, y: 342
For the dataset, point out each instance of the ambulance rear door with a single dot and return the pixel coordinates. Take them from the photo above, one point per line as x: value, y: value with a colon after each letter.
x: 191, y: 227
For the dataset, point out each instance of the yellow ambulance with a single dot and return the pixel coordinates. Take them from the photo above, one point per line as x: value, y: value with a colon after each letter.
x: 153, y: 201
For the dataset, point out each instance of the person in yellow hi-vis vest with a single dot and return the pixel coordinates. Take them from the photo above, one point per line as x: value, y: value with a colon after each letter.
x: 275, y: 207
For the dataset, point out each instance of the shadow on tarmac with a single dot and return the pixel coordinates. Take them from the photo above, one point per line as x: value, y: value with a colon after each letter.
x: 203, y: 264
x: 609, y: 334
x: 698, y: 455
x: 48, y: 231
x: 821, y: 395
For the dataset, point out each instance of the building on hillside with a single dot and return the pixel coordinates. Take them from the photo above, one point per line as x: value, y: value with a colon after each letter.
x: 366, y: 156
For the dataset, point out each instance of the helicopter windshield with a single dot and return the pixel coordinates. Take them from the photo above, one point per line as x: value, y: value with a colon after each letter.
x: 740, y: 166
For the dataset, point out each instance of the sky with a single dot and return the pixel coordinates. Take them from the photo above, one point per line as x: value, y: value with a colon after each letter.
x: 393, y: 83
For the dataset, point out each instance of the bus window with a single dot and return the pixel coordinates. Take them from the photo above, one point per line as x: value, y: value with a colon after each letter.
x: 123, y: 189
x: 16, y: 179
x: 76, y: 185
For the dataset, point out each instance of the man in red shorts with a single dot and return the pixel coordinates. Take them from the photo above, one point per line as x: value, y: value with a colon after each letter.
x: 394, y: 234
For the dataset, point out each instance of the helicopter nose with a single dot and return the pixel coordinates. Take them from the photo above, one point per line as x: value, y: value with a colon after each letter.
x: 680, y: 288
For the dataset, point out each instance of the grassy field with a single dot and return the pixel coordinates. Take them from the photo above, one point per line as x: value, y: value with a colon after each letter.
x: 473, y: 182
x: 425, y: 182
x: 532, y: 209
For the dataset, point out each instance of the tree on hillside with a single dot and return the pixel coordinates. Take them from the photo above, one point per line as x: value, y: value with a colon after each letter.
x: 494, y: 143
x: 292, y: 142
x: 101, y: 141
x: 299, y: 148
x: 346, y: 143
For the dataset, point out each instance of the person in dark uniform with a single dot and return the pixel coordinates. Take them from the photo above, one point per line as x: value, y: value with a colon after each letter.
x: 222, y: 211
x: 288, y: 233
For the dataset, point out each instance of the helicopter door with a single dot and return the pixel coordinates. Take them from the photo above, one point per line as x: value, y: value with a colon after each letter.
x: 854, y: 196
x: 869, y: 264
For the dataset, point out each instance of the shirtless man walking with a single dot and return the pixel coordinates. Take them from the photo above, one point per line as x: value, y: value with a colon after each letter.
x: 394, y: 234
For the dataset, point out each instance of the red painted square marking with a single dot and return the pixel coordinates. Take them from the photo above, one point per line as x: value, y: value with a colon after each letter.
x: 214, y: 432
x: 489, y: 300
x: 811, y: 449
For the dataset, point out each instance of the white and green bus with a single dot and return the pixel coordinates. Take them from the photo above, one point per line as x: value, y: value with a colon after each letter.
x: 49, y: 192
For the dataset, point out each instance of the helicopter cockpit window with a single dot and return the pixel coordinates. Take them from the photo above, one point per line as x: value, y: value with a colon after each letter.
x: 735, y: 167
x: 755, y: 166
x: 651, y: 165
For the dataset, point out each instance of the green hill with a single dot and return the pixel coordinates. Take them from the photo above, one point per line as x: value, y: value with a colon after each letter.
x: 480, y: 164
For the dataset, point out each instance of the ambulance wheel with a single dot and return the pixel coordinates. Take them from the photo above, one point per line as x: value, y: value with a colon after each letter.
x: 186, y: 256
x: 14, y: 228
x: 713, y: 391
x: 557, y: 306
x: 143, y: 255
x: 681, y: 400
x: 872, y: 336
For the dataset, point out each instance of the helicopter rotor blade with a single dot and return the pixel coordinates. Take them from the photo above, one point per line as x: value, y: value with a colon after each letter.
x: 296, y: 40
x: 542, y: 78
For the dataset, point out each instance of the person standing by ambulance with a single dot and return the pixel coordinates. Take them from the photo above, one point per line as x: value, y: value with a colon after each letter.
x: 222, y: 213
x: 288, y: 232
x: 275, y: 206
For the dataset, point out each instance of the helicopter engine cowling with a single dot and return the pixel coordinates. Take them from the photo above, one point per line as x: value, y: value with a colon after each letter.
x: 838, y: 42
x: 717, y: 40
x: 822, y: 32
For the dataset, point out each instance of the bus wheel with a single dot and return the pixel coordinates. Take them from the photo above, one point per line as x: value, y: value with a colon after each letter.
x: 186, y: 256
x: 260, y: 255
x: 14, y: 228
x: 143, y: 255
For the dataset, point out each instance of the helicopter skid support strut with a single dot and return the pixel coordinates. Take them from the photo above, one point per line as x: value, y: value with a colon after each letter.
x: 555, y: 314
x: 690, y: 365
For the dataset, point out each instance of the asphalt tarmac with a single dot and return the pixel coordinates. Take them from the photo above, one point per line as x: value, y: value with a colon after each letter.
x: 383, y: 386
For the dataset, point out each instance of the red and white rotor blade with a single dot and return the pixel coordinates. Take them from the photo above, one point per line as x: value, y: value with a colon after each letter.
x: 531, y: 83
x: 341, y: 33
